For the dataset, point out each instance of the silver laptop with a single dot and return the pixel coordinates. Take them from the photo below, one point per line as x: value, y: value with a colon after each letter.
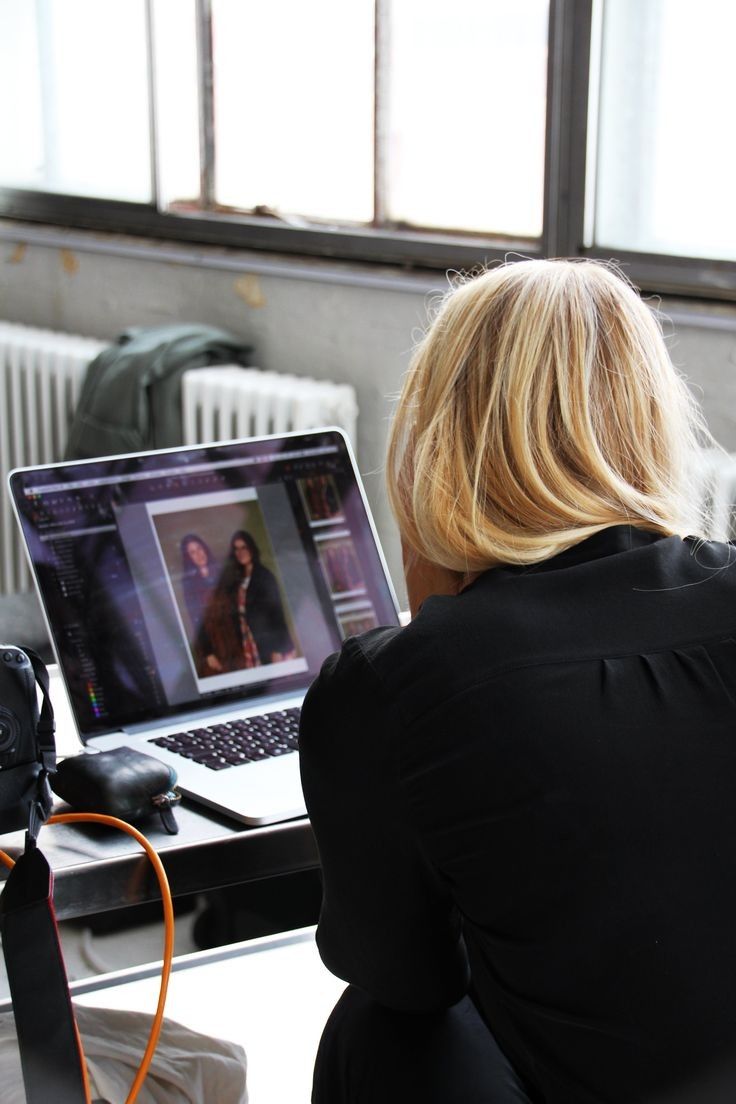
x: 192, y: 594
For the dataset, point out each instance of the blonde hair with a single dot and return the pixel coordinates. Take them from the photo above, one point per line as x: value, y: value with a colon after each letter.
x: 540, y: 407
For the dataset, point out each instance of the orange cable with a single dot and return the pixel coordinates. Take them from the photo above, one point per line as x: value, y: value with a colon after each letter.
x: 168, y: 907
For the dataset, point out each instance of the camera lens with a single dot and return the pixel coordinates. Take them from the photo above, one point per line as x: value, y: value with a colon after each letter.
x: 8, y: 730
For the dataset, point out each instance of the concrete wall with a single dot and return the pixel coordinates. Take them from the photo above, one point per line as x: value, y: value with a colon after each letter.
x: 329, y: 320
x: 702, y: 343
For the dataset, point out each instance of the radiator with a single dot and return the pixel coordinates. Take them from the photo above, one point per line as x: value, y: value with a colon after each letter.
x: 41, y: 374
x: 227, y: 402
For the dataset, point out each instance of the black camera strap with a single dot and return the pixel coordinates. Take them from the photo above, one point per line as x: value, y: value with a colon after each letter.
x: 50, y: 1051
x: 46, y: 727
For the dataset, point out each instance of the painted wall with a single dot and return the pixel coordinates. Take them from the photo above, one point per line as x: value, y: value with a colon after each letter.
x: 702, y: 343
x: 322, y: 319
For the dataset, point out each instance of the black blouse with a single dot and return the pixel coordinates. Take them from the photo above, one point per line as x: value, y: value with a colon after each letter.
x: 531, y: 790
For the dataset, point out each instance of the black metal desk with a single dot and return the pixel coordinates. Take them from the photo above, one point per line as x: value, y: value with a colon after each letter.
x: 97, y: 869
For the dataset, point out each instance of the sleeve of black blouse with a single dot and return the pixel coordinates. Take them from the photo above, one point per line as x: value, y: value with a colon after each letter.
x: 387, y: 924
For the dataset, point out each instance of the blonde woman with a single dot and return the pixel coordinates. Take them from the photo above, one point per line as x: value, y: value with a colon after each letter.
x: 525, y: 800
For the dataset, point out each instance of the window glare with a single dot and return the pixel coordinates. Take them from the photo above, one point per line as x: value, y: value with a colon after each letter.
x: 75, y: 73
x: 21, y: 147
x: 294, y: 106
x: 666, y: 171
x: 467, y: 114
x: 177, y: 100
x: 433, y: 118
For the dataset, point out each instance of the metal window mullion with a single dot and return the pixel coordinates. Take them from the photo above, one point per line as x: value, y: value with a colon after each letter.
x: 570, y: 23
x: 152, y: 106
x: 206, y: 105
x: 381, y: 109
x: 592, y: 141
x: 666, y: 274
x: 688, y: 276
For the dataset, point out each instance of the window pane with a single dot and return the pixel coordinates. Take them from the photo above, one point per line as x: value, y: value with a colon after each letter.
x: 73, y: 84
x: 466, y: 108
x: 666, y: 164
x: 177, y: 102
x: 294, y: 106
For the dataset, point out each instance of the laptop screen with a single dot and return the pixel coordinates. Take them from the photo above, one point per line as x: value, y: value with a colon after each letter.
x: 192, y: 578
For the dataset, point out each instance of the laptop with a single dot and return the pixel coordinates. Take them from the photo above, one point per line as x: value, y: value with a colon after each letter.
x: 192, y: 595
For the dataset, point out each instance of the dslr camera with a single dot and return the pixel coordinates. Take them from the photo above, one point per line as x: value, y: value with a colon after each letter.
x: 26, y: 740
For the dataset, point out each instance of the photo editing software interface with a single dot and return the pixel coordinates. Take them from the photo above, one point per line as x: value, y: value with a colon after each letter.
x: 177, y: 580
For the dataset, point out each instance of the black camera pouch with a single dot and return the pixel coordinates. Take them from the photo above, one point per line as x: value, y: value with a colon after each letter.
x: 122, y: 783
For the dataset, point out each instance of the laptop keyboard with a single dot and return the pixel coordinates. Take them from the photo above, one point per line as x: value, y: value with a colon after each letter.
x: 239, y: 742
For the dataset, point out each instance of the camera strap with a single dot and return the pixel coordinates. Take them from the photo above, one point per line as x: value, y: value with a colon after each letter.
x: 49, y: 1045
x: 50, y: 1051
x: 46, y: 727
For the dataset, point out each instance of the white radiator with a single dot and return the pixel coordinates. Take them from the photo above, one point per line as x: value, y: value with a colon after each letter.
x: 41, y: 374
x: 227, y: 402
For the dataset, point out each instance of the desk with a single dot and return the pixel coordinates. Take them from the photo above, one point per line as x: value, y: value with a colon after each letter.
x: 97, y: 868
x: 270, y: 995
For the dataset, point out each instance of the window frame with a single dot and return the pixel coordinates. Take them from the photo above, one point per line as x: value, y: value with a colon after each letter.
x: 563, y: 234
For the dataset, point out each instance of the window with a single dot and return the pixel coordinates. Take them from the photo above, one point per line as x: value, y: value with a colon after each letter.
x: 293, y: 134
x: 328, y: 112
x: 460, y: 151
x: 665, y: 174
x: 409, y: 131
x: 75, y: 95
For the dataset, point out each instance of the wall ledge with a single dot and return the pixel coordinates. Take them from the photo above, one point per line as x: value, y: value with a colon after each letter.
x: 316, y: 270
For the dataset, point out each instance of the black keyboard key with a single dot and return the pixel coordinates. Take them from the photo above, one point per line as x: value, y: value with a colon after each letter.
x: 257, y: 753
x: 204, y: 755
x: 238, y: 742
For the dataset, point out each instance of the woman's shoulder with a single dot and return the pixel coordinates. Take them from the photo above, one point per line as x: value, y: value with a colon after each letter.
x: 362, y: 658
x: 377, y: 653
x: 357, y: 672
x: 392, y: 665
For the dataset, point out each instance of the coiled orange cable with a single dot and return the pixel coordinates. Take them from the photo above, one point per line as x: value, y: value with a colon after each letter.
x: 168, y: 908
